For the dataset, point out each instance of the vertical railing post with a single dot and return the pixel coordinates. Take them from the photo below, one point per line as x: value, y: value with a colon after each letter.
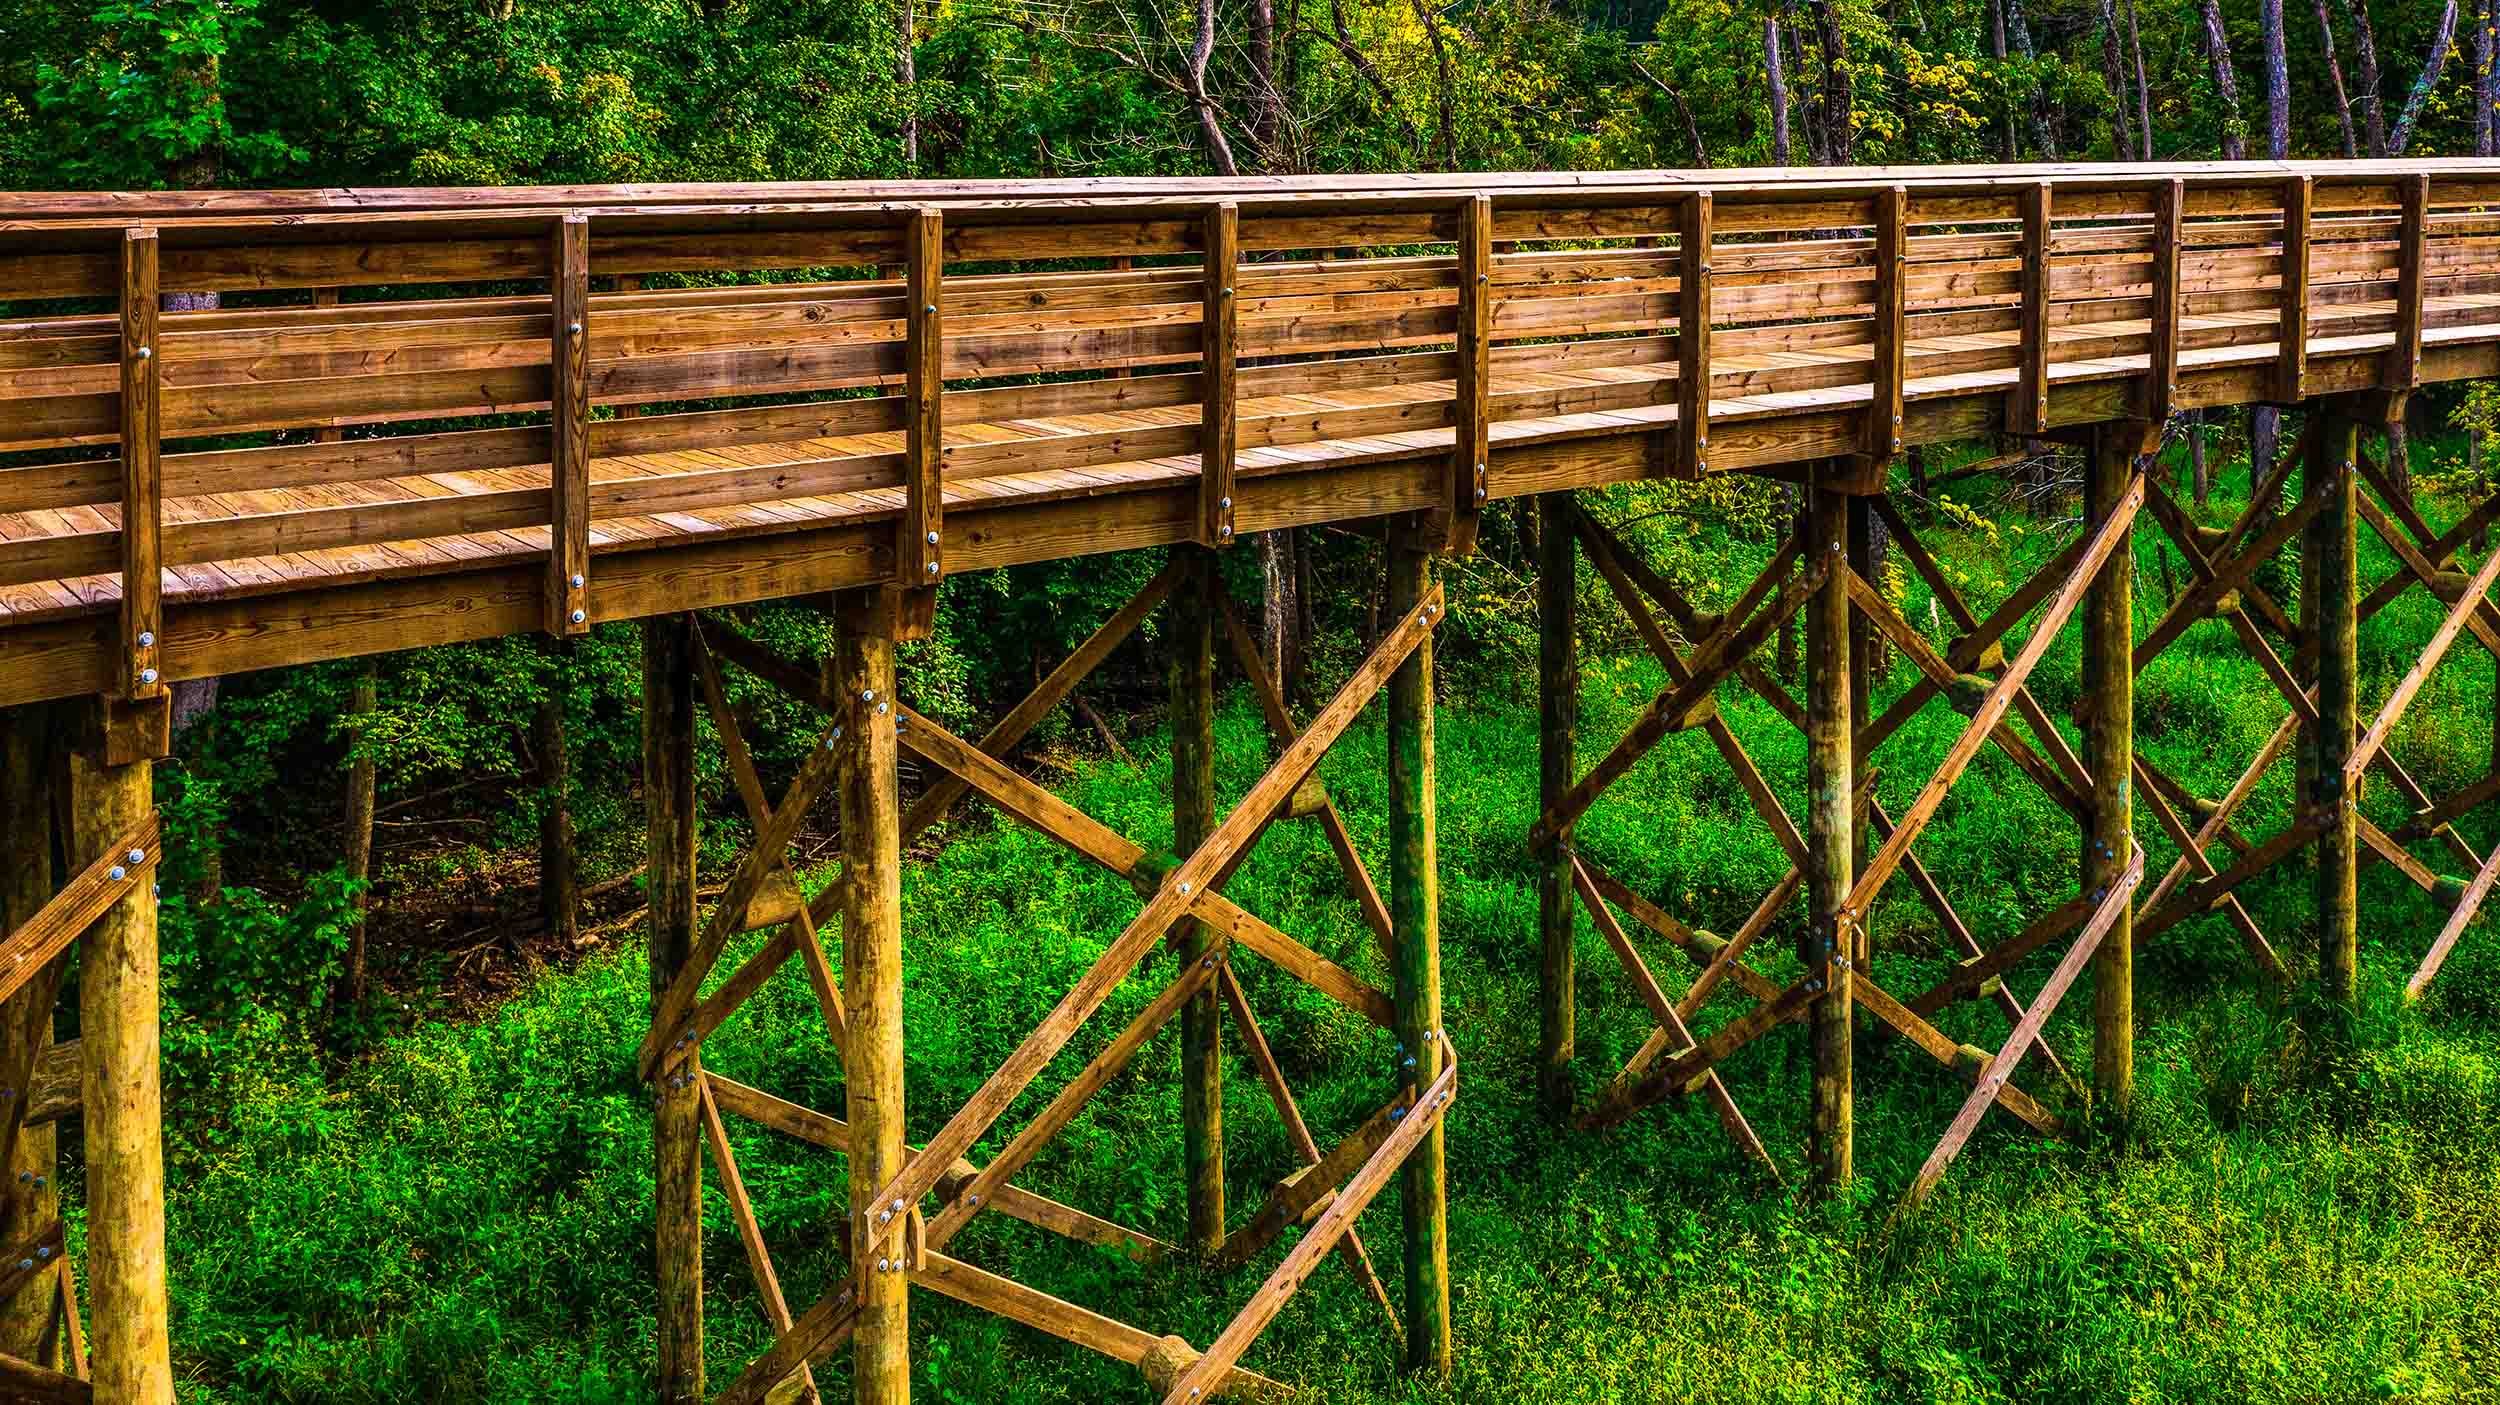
x: 1471, y: 438
x: 2291, y: 366
x: 1220, y: 323
x: 2332, y: 624
x: 2161, y: 383
x: 1195, y: 607
x: 872, y: 985
x: 2403, y: 370
x: 1415, y: 923
x: 1890, y: 329
x: 1558, y: 715
x: 568, y: 458
x: 1692, y: 338
x: 1826, y: 944
x: 669, y: 800
x: 121, y: 1097
x: 2108, y: 716
x: 917, y: 564
x: 2029, y: 412
x: 143, y: 486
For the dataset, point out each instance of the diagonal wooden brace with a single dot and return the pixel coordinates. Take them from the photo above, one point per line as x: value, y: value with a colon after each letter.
x: 1094, y: 840
x: 114, y: 875
x: 1999, y: 1073
x: 1622, y: 571
x: 1991, y: 710
x: 1683, y: 704
x: 1199, y: 1382
x: 1669, y: 1019
x: 1168, y: 904
x: 2435, y: 649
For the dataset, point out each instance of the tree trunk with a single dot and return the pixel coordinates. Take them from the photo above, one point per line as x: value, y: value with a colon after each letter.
x: 1776, y: 80
x: 1996, y: 50
x: 2484, y: 89
x: 2043, y: 134
x: 1267, y: 99
x: 1840, y: 121
x: 2434, y: 67
x: 1442, y: 81
x: 906, y: 71
x: 1280, y: 614
x: 359, y: 842
x: 559, y: 872
x: 1210, y: 124
x: 2143, y: 86
x: 2365, y: 69
x: 2279, y: 80
x: 2226, y: 84
x: 2335, y: 75
x: 2114, y: 72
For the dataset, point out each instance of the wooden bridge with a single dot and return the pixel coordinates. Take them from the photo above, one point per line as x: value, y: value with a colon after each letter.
x: 419, y: 417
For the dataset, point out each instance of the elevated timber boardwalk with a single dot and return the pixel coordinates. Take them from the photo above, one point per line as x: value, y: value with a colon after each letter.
x: 418, y: 417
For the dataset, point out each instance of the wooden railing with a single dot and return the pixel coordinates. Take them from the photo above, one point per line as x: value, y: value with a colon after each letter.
x: 441, y: 450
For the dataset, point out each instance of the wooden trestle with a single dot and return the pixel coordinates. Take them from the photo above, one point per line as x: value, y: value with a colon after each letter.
x: 421, y: 417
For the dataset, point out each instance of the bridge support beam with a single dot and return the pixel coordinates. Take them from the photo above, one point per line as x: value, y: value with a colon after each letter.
x: 668, y: 775
x: 1195, y: 607
x: 2331, y: 611
x: 872, y: 975
x: 29, y: 1195
x: 1829, y: 941
x: 1558, y: 716
x: 1415, y: 925
x: 2108, y: 719
x: 110, y: 796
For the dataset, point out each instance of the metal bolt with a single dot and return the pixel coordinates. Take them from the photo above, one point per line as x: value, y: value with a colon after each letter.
x: 931, y: 539
x: 24, y: 1264
x: 147, y: 638
x: 579, y: 616
x: 119, y: 873
x: 1228, y: 290
x: 930, y: 308
x: 1224, y: 503
x: 884, y: 1215
x: 1224, y: 531
x: 837, y: 736
x: 1184, y: 889
x: 147, y: 675
x: 1482, y: 492
x: 576, y: 578
x: 867, y: 695
x: 575, y: 328
x: 898, y: 1207
x: 1813, y: 986
x: 881, y: 1263
x: 138, y: 856
x: 933, y: 568
x: 143, y: 353
x: 881, y: 707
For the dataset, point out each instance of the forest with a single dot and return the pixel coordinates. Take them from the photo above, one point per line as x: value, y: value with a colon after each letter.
x: 401, y: 908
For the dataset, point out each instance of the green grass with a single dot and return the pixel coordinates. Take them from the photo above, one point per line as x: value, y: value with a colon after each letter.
x: 465, y: 1216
